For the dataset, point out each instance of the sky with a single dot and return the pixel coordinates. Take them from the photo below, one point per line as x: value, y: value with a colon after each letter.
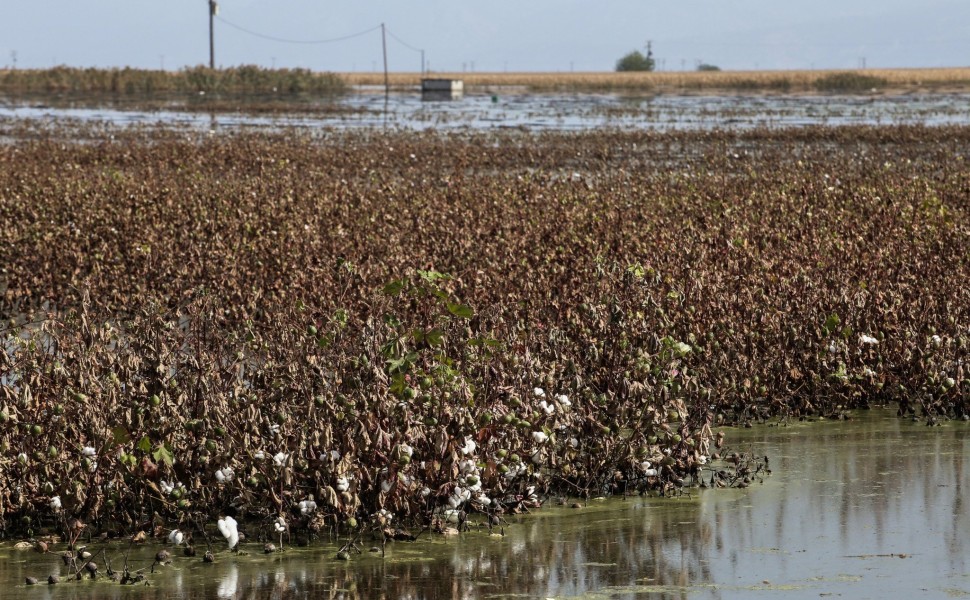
x: 496, y: 35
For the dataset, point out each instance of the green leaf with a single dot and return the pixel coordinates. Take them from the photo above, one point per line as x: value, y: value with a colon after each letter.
x: 341, y: 317
x: 433, y: 276
x: 163, y: 454
x: 128, y: 460
x: 460, y: 310
x: 832, y: 323
x: 394, y: 288
x: 144, y: 444
x: 484, y: 341
x: 434, y: 337
x: 120, y: 435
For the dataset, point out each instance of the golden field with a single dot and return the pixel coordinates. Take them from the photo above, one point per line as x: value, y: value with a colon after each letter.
x: 956, y: 78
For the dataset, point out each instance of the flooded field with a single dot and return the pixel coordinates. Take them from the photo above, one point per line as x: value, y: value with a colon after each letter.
x: 529, y: 111
x: 868, y: 508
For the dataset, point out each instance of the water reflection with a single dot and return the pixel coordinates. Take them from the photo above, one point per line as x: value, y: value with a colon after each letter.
x: 870, y: 508
x: 533, y: 112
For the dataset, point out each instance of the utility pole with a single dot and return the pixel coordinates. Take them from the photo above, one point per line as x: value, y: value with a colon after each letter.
x: 213, y: 11
x: 422, y: 63
x: 387, y: 85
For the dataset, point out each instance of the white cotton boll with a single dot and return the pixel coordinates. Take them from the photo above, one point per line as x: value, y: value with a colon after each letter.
x: 645, y: 465
x: 469, y: 446
x: 260, y: 455
x: 547, y: 408
x: 454, y: 501
x: 225, y: 474
x: 56, y: 503
x: 280, y: 525
x: 483, y: 500
x: 307, y: 506
x: 563, y: 399
x: 280, y: 458
x: 274, y: 428
x: 868, y: 372
x: 936, y: 340
x: 88, y: 452
x: 539, y: 392
x: 425, y: 492
x: 386, y: 485
x: 342, y: 484
x: 539, y: 436
x: 867, y: 340
x: 650, y: 472
x: 334, y: 455
x: 833, y: 348
x: 22, y: 458
x: 574, y: 442
x: 407, y: 449
x: 468, y: 466
x: 702, y: 460
x: 166, y: 487
x: 175, y: 537
x: 537, y: 458
x: 228, y: 529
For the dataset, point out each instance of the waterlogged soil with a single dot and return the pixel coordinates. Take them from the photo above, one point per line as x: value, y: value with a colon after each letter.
x: 867, y: 508
x: 365, y: 109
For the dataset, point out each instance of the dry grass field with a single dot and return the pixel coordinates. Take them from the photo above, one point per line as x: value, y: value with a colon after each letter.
x: 808, y: 81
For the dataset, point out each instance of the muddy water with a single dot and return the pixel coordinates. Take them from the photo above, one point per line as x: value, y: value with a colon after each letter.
x: 534, y: 112
x: 872, y: 508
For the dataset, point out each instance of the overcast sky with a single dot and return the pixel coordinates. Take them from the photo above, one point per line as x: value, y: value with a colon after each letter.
x: 494, y: 35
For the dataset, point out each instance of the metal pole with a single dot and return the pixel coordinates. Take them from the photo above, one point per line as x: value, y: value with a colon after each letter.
x: 387, y: 85
x: 422, y: 63
x: 213, y: 10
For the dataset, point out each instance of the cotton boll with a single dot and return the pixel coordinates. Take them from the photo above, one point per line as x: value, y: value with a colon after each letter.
x: 539, y: 436
x: 176, y: 537
x: 56, y: 503
x: 228, y: 528
x: 342, y: 484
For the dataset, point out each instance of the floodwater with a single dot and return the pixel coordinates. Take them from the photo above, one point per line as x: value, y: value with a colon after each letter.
x: 538, y: 112
x: 869, y: 508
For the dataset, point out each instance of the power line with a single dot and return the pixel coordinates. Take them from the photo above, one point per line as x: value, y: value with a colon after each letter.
x: 291, y: 41
x: 402, y: 42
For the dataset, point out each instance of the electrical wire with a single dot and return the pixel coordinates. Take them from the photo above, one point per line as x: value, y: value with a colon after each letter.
x: 402, y: 42
x: 290, y: 41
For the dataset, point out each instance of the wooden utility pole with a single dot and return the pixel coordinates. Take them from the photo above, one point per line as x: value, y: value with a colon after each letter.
x: 213, y: 11
x: 387, y: 85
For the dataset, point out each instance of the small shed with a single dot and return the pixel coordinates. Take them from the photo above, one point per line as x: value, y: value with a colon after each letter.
x: 442, y: 89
